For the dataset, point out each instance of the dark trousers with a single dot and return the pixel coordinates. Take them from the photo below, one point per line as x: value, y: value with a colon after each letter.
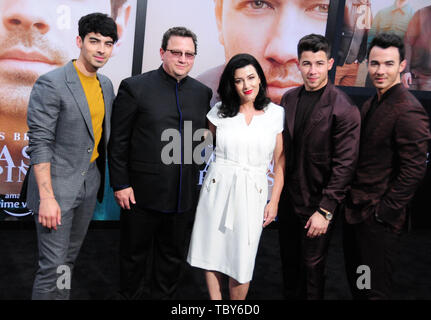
x: 375, y: 246
x: 153, y: 248
x: 303, y: 259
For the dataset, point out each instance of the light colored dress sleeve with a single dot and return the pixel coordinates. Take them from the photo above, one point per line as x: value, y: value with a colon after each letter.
x: 279, y: 119
x: 213, y: 116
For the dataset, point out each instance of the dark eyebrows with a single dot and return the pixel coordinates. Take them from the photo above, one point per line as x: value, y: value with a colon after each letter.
x: 98, y: 40
x: 385, y: 62
x: 307, y: 61
x: 247, y: 76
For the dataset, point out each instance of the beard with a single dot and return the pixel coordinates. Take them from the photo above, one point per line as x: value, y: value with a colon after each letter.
x: 16, y: 84
x: 14, y: 101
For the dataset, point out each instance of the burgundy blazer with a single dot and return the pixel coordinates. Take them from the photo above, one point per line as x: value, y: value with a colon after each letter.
x: 325, y: 162
x: 392, y: 159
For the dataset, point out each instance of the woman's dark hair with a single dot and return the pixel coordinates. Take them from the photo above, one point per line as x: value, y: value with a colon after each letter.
x: 230, y: 100
x: 97, y: 23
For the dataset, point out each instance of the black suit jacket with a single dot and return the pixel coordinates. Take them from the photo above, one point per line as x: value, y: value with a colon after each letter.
x: 146, y: 106
x: 392, y: 158
x: 325, y: 161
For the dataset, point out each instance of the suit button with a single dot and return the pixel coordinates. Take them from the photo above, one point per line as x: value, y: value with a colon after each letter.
x: 213, y: 180
x: 83, y: 173
x: 89, y: 150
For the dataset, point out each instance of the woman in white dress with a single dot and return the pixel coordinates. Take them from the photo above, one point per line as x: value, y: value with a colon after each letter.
x: 232, y: 207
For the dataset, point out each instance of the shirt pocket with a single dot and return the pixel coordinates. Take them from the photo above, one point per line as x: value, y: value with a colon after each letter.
x: 212, y: 179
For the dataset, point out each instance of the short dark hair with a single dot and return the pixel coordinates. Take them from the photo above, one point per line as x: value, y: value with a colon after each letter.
x: 179, y: 32
x: 386, y: 40
x: 97, y: 23
x: 314, y: 42
x: 230, y: 100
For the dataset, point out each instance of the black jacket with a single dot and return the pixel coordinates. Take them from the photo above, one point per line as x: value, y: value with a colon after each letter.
x: 146, y: 106
x: 392, y: 158
x: 325, y: 161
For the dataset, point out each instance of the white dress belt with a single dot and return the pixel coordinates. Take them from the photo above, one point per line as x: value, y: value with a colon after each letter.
x: 245, y: 179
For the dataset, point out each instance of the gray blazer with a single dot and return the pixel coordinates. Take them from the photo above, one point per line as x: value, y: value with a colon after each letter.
x: 61, y: 132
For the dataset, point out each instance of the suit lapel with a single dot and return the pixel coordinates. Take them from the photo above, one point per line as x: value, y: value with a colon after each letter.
x: 365, y: 108
x: 384, y: 110
x: 318, y: 111
x: 291, y: 105
x: 107, y: 98
x: 75, y: 87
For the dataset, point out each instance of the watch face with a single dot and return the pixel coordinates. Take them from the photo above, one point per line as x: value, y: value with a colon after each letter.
x: 329, y: 216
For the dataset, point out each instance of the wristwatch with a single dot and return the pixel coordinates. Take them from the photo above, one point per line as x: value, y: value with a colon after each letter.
x: 328, y: 215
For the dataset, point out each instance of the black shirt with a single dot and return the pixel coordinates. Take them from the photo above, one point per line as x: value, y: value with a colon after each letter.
x: 306, y: 102
x: 375, y: 104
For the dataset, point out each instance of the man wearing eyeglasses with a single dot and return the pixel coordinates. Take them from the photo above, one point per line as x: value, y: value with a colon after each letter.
x: 156, y: 199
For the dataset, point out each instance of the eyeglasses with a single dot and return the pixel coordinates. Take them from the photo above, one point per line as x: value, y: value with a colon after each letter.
x: 178, y: 54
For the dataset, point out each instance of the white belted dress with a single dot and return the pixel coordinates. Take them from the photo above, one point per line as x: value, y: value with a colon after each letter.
x: 230, y: 211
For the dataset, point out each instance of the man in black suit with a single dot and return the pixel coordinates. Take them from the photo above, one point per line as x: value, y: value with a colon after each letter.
x: 157, y: 197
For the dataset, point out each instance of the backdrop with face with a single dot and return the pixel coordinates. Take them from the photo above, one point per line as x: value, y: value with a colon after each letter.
x: 37, y: 37
x: 268, y: 30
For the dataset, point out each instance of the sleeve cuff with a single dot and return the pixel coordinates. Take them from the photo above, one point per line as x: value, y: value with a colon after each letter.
x: 120, y: 187
x: 328, y: 204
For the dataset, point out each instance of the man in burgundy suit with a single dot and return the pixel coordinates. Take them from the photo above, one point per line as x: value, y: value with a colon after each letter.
x: 322, y: 140
x: 391, y: 164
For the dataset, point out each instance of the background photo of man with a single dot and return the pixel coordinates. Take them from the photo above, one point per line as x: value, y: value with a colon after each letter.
x: 268, y: 30
x: 418, y: 51
x: 353, y: 44
x: 37, y: 37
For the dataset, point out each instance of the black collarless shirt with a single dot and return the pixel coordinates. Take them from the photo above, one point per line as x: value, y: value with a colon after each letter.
x: 306, y: 102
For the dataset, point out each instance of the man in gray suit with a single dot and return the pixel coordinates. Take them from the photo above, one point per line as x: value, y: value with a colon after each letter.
x: 69, y: 123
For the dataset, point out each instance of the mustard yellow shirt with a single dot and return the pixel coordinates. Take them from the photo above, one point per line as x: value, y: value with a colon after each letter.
x: 96, y: 103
